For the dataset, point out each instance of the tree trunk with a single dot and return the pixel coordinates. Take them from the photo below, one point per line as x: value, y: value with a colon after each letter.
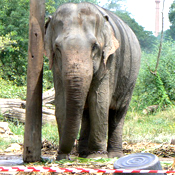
x: 32, y: 136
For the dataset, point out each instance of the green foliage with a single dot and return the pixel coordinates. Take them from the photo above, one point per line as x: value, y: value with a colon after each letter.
x: 172, y: 13
x: 7, y: 44
x: 10, y: 90
x: 171, y: 32
x: 163, y: 99
x: 156, y: 89
x: 91, y: 161
x: 47, y: 75
x: 50, y: 6
x: 14, y: 17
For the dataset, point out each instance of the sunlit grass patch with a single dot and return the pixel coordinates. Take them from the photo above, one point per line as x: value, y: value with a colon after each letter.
x: 158, y: 128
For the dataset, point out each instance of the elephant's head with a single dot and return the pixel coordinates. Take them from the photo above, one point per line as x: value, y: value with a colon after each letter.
x: 79, y: 39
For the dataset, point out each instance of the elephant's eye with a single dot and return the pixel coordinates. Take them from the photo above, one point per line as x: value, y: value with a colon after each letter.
x: 57, y: 47
x: 94, y: 46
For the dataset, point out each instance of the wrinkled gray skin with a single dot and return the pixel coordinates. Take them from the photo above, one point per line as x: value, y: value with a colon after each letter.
x: 95, y: 58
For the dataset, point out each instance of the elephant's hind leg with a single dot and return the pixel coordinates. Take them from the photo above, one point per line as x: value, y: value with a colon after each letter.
x: 84, y: 135
x: 116, y: 122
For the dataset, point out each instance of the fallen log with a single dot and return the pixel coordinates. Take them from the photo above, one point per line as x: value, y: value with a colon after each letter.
x: 150, y: 109
x: 10, y: 103
x: 15, y: 109
x: 49, y: 97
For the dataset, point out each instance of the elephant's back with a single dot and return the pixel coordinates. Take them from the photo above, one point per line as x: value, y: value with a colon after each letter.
x: 125, y: 35
x: 126, y: 59
x: 129, y: 49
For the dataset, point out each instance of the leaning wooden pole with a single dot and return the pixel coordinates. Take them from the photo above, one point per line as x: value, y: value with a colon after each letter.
x: 33, y: 121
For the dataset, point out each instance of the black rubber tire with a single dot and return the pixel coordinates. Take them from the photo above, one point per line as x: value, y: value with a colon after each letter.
x: 138, y: 161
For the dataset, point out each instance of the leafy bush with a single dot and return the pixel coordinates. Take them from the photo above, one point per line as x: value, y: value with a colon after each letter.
x: 156, y: 89
x: 14, y: 17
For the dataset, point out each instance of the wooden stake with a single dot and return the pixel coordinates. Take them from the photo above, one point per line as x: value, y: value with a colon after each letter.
x: 33, y: 121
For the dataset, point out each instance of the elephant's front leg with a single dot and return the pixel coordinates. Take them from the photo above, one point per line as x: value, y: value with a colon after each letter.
x: 59, y: 111
x: 98, y: 102
x: 59, y: 107
x: 60, y: 117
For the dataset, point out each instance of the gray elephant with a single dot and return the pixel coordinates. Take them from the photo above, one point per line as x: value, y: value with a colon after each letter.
x: 95, y: 58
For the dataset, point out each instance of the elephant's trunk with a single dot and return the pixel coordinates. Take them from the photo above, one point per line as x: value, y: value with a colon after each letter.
x: 77, y: 75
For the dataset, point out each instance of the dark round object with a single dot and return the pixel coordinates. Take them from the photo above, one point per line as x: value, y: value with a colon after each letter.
x: 138, y: 161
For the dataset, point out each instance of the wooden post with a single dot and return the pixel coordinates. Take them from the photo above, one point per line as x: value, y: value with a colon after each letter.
x: 33, y: 121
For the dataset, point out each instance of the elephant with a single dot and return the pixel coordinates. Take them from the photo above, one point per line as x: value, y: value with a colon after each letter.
x: 95, y: 59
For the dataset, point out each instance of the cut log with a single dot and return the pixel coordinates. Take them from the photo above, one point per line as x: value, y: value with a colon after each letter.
x: 150, y: 109
x: 4, y: 129
x: 15, y: 109
x: 10, y: 103
x: 49, y: 97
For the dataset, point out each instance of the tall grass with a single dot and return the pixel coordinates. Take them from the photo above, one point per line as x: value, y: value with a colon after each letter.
x: 50, y: 133
x: 157, y: 128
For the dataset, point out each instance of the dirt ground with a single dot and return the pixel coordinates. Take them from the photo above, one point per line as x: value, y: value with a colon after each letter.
x: 165, y: 152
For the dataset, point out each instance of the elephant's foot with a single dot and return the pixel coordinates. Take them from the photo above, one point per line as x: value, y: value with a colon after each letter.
x: 83, y: 154
x: 62, y: 156
x: 112, y: 154
x: 98, y: 154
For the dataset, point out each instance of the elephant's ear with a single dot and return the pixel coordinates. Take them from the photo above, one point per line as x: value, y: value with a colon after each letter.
x: 48, y: 42
x: 111, y: 43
